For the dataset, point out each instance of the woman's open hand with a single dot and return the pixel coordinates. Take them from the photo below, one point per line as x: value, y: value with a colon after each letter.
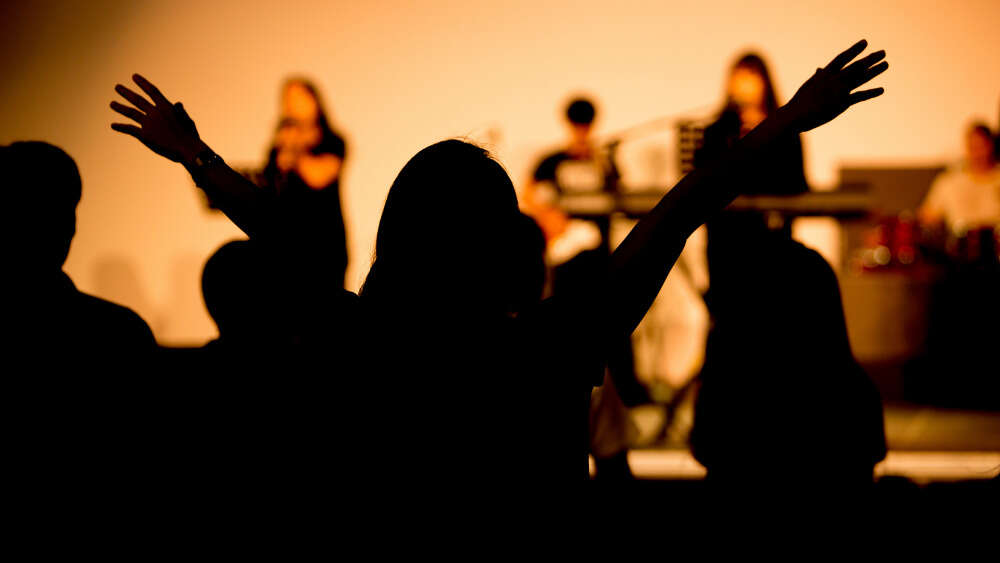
x: 163, y: 127
x: 829, y: 92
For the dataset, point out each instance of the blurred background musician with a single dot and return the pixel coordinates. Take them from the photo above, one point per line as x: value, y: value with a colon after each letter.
x: 966, y: 198
x: 301, y: 180
x: 303, y: 171
x: 961, y: 215
x: 580, y: 167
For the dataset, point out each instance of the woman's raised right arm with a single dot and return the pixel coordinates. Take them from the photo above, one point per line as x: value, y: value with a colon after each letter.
x: 642, y: 261
x: 169, y: 132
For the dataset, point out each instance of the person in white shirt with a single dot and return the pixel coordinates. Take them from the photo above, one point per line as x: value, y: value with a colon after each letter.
x: 967, y: 197
x: 961, y: 366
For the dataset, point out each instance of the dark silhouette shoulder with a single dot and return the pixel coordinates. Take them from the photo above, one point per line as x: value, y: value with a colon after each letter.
x: 120, y: 326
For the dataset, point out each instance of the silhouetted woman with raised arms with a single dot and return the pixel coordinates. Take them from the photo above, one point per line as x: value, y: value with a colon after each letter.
x: 441, y: 340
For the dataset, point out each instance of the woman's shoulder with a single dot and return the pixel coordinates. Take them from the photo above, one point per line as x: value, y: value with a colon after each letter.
x: 349, y: 299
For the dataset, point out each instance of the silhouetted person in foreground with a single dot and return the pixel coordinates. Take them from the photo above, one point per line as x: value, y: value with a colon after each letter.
x: 76, y: 365
x: 532, y: 274
x: 783, y: 403
x: 239, y: 284
x: 43, y: 190
x: 440, y: 341
x: 249, y: 411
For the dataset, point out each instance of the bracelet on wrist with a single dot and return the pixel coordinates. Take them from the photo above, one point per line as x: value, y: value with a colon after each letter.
x: 201, y: 162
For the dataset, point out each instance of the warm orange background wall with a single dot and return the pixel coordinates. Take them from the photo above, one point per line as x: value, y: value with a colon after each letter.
x: 400, y: 75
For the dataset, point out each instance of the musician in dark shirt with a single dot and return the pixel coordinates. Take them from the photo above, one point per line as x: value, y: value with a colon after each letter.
x: 303, y: 173
x: 300, y: 184
x: 578, y: 168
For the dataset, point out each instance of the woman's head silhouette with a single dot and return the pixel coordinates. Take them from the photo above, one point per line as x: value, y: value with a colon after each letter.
x: 445, y: 239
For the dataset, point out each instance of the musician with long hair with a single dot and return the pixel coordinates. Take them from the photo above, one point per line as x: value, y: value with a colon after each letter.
x: 303, y: 172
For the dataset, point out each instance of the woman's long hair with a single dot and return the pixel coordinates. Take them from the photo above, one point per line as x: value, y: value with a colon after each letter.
x: 755, y: 63
x: 322, y: 121
x: 445, y: 241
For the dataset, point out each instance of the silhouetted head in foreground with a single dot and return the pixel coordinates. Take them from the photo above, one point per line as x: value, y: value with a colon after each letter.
x: 530, y: 263
x: 238, y: 294
x: 43, y: 190
x: 59, y: 327
x: 782, y: 397
x: 445, y: 241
